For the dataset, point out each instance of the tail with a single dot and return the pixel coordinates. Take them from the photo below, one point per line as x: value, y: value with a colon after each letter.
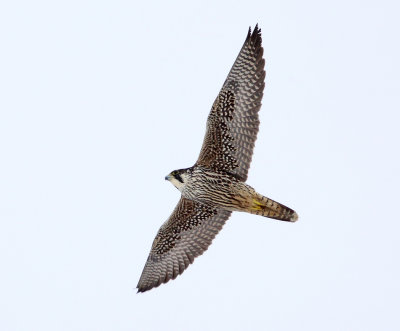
x: 269, y: 208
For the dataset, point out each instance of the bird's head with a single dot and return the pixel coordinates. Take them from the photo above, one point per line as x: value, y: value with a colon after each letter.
x: 178, y: 178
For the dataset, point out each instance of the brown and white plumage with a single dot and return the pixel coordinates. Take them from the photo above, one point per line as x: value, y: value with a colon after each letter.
x: 185, y: 235
x: 215, y: 186
x: 233, y: 121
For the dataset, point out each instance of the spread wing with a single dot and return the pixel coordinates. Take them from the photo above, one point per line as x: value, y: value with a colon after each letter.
x: 232, y: 124
x: 185, y: 235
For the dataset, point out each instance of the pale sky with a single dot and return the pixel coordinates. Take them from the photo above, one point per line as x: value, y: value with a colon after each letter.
x: 100, y: 100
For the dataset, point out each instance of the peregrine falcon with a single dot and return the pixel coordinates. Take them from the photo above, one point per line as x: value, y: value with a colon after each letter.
x: 216, y: 184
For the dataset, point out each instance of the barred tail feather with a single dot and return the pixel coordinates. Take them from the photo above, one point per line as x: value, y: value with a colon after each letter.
x: 269, y: 208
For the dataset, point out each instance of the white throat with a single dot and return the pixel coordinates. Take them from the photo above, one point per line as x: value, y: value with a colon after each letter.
x: 180, y: 186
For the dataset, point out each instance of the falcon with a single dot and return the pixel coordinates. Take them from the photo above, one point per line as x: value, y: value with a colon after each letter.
x: 216, y: 184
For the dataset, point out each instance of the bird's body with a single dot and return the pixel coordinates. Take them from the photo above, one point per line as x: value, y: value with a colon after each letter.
x: 221, y: 189
x: 215, y: 186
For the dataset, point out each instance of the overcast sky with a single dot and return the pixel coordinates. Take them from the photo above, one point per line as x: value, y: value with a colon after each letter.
x: 100, y: 100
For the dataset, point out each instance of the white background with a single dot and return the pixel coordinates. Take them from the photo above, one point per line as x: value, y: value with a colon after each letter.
x: 100, y: 100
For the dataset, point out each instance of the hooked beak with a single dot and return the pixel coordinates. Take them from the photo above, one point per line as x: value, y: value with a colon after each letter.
x: 167, y: 177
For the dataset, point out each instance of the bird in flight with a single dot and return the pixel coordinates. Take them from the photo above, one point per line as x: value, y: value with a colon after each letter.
x: 216, y: 184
